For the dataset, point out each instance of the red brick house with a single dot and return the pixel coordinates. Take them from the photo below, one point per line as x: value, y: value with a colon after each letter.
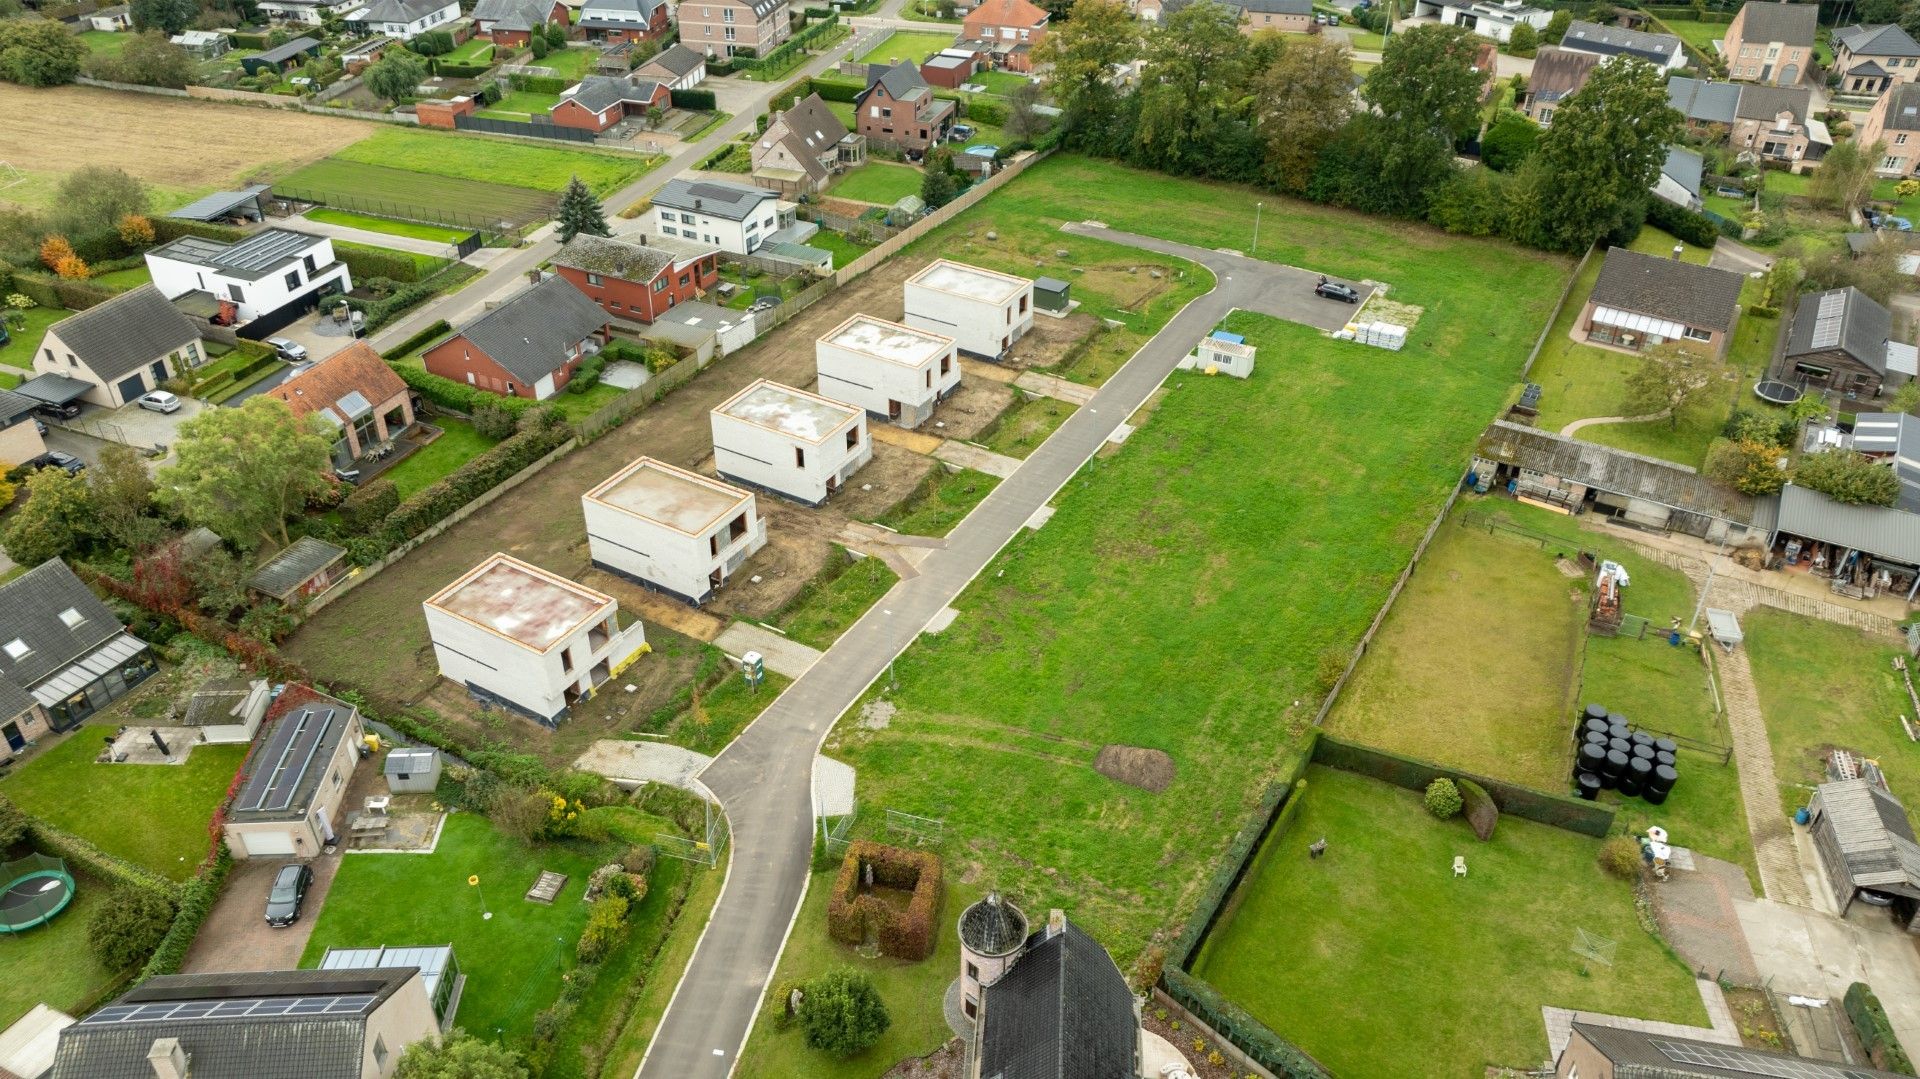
x: 357, y: 394
x: 511, y: 23
x: 638, y: 281
x: 527, y: 347
x: 598, y: 102
x: 1012, y: 27
x: 898, y: 109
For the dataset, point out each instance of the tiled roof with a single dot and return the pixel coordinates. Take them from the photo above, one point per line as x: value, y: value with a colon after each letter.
x: 606, y: 9
x: 531, y: 334
x: 614, y: 258
x: 1903, y: 107
x: 1669, y: 289
x: 1006, y: 13
x: 1769, y: 20
x: 1616, y: 41
x: 676, y: 61
x: 126, y: 332
x: 1768, y: 102
x: 1887, y: 40
x: 1703, y: 100
x: 1559, y: 73
x: 1063, y: 1011
x: 902, y: 81
x: 598, y: 93
x: 512, y: 14
x: 1684, y: 167
x: 400, y: 11
x: 13, y: 406
x: 1846, y: 319
x: 31, y: 606
x: 354, y: 368
x: 715, y: 198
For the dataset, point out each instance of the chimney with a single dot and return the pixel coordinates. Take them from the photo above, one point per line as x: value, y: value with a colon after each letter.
x: 1056, y: 923
x: 1677, y: 249
x: 169, y: 1060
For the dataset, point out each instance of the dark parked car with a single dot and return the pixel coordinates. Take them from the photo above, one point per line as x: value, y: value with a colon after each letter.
x: 1334, y: 290
x: 289, y: 891
x: 60, y: 412
x: 56, y: 459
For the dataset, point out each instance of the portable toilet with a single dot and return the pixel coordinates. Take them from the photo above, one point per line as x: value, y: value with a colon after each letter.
x: 1052, y: 294
x: 412, y: 770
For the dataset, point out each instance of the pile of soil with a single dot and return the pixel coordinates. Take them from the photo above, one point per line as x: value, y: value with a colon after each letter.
x: 1148, y: 769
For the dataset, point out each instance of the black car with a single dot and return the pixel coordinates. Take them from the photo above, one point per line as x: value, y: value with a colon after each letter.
x: 1334, y: 290
x: 57, y: 459
x: 289, y: 891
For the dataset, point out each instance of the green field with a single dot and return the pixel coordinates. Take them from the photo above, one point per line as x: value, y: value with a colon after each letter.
x: 152, y: 815
x: 397, y: 191
x: 471, y: 157
x: 877, y: 182
x: 1125, y: 620
x: 388, y: 225
x: 105, y: 42
x: 1376, y: 954
x: 907, y: 45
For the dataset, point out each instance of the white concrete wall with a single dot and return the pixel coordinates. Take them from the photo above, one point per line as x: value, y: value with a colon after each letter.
x: 667, y: 557
x: 269, y: 293
x: 532, y: 680
x: 765, y: 458
x: 873, y: 383
x: 737, y: 237
x: 983, y: 329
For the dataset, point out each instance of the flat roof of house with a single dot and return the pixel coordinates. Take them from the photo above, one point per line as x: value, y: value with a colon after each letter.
x: 787, y: 411
x: 974, y: 283
x: 293, y: 761
x: 889, y: 341
x: 521, y: 602
x: 659, y: 492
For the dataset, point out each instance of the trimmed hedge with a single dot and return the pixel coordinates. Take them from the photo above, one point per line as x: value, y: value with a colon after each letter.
x: 538, y: 84
x: 1875, y: 1030
x: 456, y: 396
x: 843, y: 92
x: 418, y: 340
x: 1233, y: 1023
x: 369, y: 262
x: 461, y: 71
x: 172, y: 228
x: 94, y: 861
x: 694, y: 99
x: 1760, y: 310
x: 1694, y: 228
x: 851, y: 917
x: 50, y: 291
x: 1586, y: 818
x: 249, y: 41
x: 380, y: 312
x: 196, y: 900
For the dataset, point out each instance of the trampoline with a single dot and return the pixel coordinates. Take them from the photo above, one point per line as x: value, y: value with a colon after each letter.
x: 1776, y: 392
x: 33, y: 891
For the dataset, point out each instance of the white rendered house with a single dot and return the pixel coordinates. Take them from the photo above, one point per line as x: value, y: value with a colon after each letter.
x: 259, y: 275
x: 895, y: 372
x: 984, y: 311
x: 530, y: 640
x: 796, y: 444
x: 671, y: 530
x: 736, y: 218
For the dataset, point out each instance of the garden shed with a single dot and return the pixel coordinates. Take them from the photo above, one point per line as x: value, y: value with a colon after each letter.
x: 306, y: 568
x: 1052, y: 294
x: 412, y: 770
x: 228, y: 710
x: 1866, y: 845
x: 282, y: 58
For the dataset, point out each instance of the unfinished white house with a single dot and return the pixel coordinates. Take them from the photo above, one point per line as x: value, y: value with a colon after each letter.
x: 984, y: 311
x: 671, y: 530
x: 528, y: 640
x: 1221, y: 353
x: 895, y: 372
x: 796, y: 444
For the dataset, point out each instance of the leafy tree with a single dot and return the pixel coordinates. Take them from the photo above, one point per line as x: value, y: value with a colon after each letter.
x: 1024, y: 123
x: 396, y: 76
x: 123, y: 499
x: 1195, y: 71
x: 1305, y: 97
x: 1875, y: 272
x: 57, y: 518
x: 1525, y: 40
x: 128, y: 926
x: 243, y: 471
x: 1080, y: 54
x: 557, y: 35
x: 39, y: 52
x: 1509, y: 141
x: 1427, y: 95
x: 165, y: 16
x: 580, y: 212
x: 1750, y: 466
x: 150, y: 60
x: 1845, y: 176
x: 219, y: 581
x: 1474, y: 202
x: 93, y: 199
x: 1904, y: 399
x: 8, y: 489
x: 13, y: 823
x: 1783, y: 277
x: 136, y: 230
x: 841, y: 1012
x: 462, y: 1056
x: 73, y: 268
x: 1669, y: 381
x: 1848, y: 477
x: 538, y: 43
x: 494, y: 422
x: 1603, y: 152
x: 937, y: 187
x: 1557, y: 27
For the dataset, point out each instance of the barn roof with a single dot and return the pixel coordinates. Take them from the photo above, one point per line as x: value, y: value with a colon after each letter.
x: 1629, y: 475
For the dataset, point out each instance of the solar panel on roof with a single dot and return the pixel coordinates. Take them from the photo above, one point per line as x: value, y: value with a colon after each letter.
x: 253, y: 1008
x: 1828, y: 319
x: 1751, y: 1063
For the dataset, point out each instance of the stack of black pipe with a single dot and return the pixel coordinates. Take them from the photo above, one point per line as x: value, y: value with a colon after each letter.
x: 1609, y: 754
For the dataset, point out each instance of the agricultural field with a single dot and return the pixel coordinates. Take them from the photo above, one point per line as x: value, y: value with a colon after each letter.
x: 907, y: 45
x: 877, y: 182
x: 1072, y: 627
x: 476, y: 204
x: 368, y: 223
x: 182, y: 148
x: 1381, y: 921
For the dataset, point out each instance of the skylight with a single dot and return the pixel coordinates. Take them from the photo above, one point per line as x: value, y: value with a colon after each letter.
x: 17, y: 649
x: 72, y: 617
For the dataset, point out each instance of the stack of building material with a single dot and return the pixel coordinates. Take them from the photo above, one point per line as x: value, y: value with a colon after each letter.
x: 1381, y: 335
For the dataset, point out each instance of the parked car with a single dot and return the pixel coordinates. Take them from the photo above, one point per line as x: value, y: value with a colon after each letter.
x: 290, y: 351
x: 60, y: 412
x: 5, y: 337
x: 289, y: 891
x: 1875, y: 899
x: 56, y: 459
x: 40, y: 425
x: 960, y: 133
x: 160, y: 401
x: 1334, y: 290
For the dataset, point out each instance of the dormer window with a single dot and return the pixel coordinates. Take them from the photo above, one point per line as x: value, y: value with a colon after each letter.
x: 17, y: 649
x: 71, y: 617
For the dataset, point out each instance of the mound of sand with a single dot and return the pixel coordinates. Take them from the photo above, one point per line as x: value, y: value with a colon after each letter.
x: 1148, y: 769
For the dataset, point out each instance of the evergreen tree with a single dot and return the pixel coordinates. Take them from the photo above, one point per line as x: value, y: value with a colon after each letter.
x: 580, y: 212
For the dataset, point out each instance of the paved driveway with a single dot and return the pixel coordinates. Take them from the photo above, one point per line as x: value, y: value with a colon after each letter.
x: 138, y: 426
x: 236, y: 935
x: 1285, y: 292
x: 1814, y: 953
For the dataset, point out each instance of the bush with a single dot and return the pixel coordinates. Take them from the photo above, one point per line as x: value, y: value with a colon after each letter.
x: 366, y: 263
x: 1443, y: 799
x: 13, y: 824
x: 494, y: 422
x: 606, y: 927
x: 538, y: 42
x: 904, y: 934
x: 841, y: 1012
x: 538, y: 84
x: 1696, y: 229
x: 694, y: 99
x: 639, y: 859
x: 1481, y: 811
x: 129, y: 926
x: 1620, y: 857
x: 418, y: 340
x: 368, y: 505
x: 197, y: 898
x: 1870, y: 1021
x: 1848, y: 477
x: 458, y: 396
x: 462, y: 71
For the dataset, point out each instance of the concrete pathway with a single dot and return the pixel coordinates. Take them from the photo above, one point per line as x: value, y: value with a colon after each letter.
x: 968, y: 455
x: 1055, y: 387
x: 1816, y: 954
x: 1738, y: 257
x: 762, y: 778
x: 376, y: 239
x: 783, y: 654
x: 1575, y: 427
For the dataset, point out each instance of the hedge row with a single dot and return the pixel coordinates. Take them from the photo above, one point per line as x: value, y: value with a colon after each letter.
x: 456, y: 396
x: 1586, y: 818
x: 1233, y: 1023
x: 795, y: 44
x: 903, y: 934
x: 380, y: 312
x: 1875, y: 1030
x: 172, y: 228
x: 196, y: 898
x: 249, y: 41
x: 460, y: 71
x: 232, y: 375
x: 461, y: 486
x: 50, y: 291
x: 93, y: 861
x: 418, y: 340
x: 366, y: 263
x: 828, y: 90
x: 694, y: 99
x: 538, y: 84
x: 1696, y: 229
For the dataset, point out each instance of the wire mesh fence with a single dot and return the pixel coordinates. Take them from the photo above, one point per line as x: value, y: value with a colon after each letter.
x: 403, y: 211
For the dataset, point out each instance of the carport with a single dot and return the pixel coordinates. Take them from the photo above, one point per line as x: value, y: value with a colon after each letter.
x: 57, y: 391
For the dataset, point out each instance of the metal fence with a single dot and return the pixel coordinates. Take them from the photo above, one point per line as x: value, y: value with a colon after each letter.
x: 404, y: 211
x: 532, y: 128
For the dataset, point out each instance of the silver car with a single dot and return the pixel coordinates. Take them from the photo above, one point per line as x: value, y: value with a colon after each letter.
x: 160, y: 401
x: 290, y: 351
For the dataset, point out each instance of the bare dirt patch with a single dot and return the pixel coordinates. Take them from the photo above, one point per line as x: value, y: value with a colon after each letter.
x: 1052, y: 340
x: 176, y: 143
x: 1148, y: 769
x: 972, y: 409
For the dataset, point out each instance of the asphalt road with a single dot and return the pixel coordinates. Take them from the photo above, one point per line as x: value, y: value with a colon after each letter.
x: 763, y: 779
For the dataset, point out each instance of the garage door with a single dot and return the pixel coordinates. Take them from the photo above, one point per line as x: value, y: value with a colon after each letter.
x: 132, y: 387
x: 263, y: 843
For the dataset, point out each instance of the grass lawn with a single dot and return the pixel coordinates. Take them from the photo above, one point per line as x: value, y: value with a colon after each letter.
x: 1700, y: 35
x: 388, y: 225
x: 1132, y: 605
x: 1908, y: 207
x: 779, y: 1049
x: 1025, y: 424
x: 424, y: 265
x: 513, y: 962
x: 570, y: 63
x: 26, y: 328
x: 105, y: 42
x: 1653, y: 241
x: 122, y: 280
x: 495, y: 161
x: 454, y: 201
x: 520, y: 104
x: 914, y: 45
x: 152, y: 815
x: 574, y: 406
x: 53, y: 963
x: 1824, y: 686
x: 1360, y: 40
x: 999, y: 82
x: 946, y: 497
x: 877, y: 182
x: 664, y: 975
x: 459, y: 444
x: 843, y: 111
x: 476, y: 51
x: 1381, y: 922
x: 834, y: 600
x: 844, y: 250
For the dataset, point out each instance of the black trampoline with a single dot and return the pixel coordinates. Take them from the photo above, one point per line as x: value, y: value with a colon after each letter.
x: 37, y: 888
x: 1776, y: 392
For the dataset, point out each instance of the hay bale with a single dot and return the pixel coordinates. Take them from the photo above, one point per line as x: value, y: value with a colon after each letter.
x: 1479, y: 807
x: 1148, y: 769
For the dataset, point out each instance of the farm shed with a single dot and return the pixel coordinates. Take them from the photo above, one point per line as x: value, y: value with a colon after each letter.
x: 282, y: 58
x: 412, y: 770
x: 793, y: 443
x: 1866, y: 844
x: 299, y: 779
x: 984, y: 311
x: 305, y: 568
x: 1843, y: 541
x: 1842, y: 339
x: 895, y: 372
x: 671, y: 530
x: 1052, y: 294
x: 228, y: 711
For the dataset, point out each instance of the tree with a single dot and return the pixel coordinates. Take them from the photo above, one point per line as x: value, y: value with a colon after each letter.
x: 396, y: 76
x: 1195, y: 74
x: 580, y: 212
x: 1849, y: 477
x: 1304, y: 98
x: 557, y: 35
x: 128, y: 926
x: 937, y: 187
x: 136, y: 230
x: 219, y: 582
x: 93, y: 199
x: 1080, y: 55
x: 1668, y: 381
x: 13, y: 823
x: 150, y: 60
x: 1525, y: 40
x: 1845, y: 177
x: 1748, y: 465
x: 57, y: 518
x: 1509, y: 141
x: 538, y: 43
x: 1904, y: 399
x: 1600, y: 157
x: 1875, y: 272
x: 165, y: 16
x: 841, y: 1012
x: 1557, y: 27
x: 39, y: 52
x: 1427, y: 95
x: 462, y: 1056
x: 123, y: 499
x: 243, y: 471
x: 54, y: 250
x: 8, y: 489
x: 1443, y: 798
x: 1024, y: 122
